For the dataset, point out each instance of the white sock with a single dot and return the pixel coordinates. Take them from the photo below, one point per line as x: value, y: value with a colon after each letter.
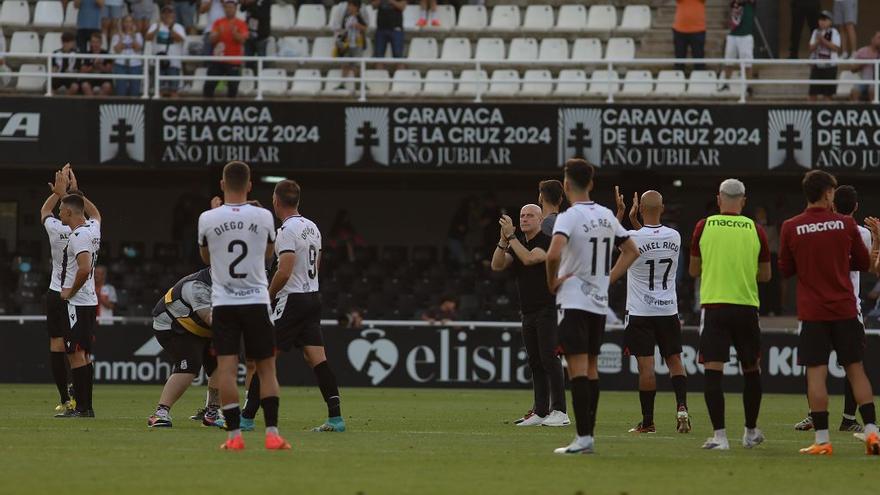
x: 721, y: 434
x: 871, y: 428
x: 822, y: 436
x: 234, y: 433
x: 585, y: 440
x: 271, y: 430
x: 751, y: 432
x: 849, y: 417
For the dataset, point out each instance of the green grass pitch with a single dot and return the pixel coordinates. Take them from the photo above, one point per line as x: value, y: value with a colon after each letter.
x: 410, y: 441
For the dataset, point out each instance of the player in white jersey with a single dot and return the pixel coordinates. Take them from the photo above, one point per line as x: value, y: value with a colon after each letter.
x: 297, y: 314
x: 652, y: 308
x: 56, y: 309
x: 578, y: 272
x: 236, y: 239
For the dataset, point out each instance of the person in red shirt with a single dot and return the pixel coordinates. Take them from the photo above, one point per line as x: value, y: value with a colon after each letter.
x: 822, y: 247
x: 228, y: 36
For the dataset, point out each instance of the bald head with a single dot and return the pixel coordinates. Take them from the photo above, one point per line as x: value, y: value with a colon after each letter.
x: 651, y: 207
x: 530, y: 219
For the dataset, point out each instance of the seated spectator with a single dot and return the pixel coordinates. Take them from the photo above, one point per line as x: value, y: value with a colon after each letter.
x: 428, y: 14
x: 259, y: 19
x: 444, y: 313
x: 228, y: 35
x: 65, y: 65
x: 168, y: 37
x: 350, y: 39
x: 343, y: 235
x: 96, y: 65
x: 142, y: 12
x: 111, y: 17
x: 351, y: 319
x: 824, y: 45
x: 106, y: 295
x: 185, y: 14
x: 865, y: 91
x: 740, y: 43
x: 128, y: 42
x: 88, y: 21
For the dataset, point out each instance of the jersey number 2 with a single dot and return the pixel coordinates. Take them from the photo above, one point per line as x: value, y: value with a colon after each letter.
x: 236, y: 261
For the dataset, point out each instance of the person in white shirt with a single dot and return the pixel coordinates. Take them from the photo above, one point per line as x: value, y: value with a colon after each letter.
x: 167, y: 36
x: 824, y: 46
x: 578, y: 272
x: 107, y: 297
x: 128, y: 41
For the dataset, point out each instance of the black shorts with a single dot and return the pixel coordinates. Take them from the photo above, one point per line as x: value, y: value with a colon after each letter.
x: 249, y: 322
x: 727, y: 325
x: 56, y: 314
x: 644, y: 332
x: 80, y: 329
x: 818, y: 338
x: 189, y: 351
x: 823, y: 74
x: 580, y: 332
x: 297, y: 319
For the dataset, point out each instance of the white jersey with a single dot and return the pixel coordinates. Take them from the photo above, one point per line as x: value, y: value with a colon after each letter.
x: 650, y: 281
x: 195, y: 295
x: 58, y: 233
x: 300, y: 236
x: 237, y: 237
x: 84, y: 239
x: 592, y: 231
x: 854, y: 276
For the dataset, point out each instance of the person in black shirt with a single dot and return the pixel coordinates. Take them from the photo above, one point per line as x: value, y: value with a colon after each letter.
x: 96, y: 65
x: 525, y: 255
x: 550, y: 198
x: 259, y: 17
x: 65, y: 65
x: 389, y: 27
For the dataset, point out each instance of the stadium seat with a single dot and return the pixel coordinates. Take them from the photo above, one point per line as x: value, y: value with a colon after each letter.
x: 539, y: 18
x: 585, y: 49
x: 602, y: 19
x: 332, y: 82
x: 553, y: 49
x: 31, y: 83
x: 311, y: 17
x: 438, y: 83
x: 504, y: 82
x: 336, y: 15
x: 571, y: 18
x: 293, y: 46
x: 322, y: 47
x: 536, y: 82
x: 201, y: 22
x: 302, y: 85
x: 192, y: 44
x: 70, y: 15
x: 471, y: 81
x: 523, y: 50
x: 599, y: 83
x: 637, y: 83
x: 489, y: 49
x: 410, y: 17
x: 572, y: 82
x: 14, y: 13
x: 377, y: 88
x: 272, y: 86
x: 48, y: 13
x: 198, y: 84
x: 24, y: 42
x: 247, y: 87
x: 702, y: 83
x: 670, y: 83
x: 406, y: 83
x: 456, y: 49
x: 472, y: 18
x: 445, y: 14
x: 283, y: 17
x: 272, y: 47
x: 51, y: 42
x: 620, y: 49
x: 847, y: 82
x: 636, y: 19
x: 505, y: 18
x: 423, y: 49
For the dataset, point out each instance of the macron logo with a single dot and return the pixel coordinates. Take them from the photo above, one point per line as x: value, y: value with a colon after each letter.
x: 810, y: 228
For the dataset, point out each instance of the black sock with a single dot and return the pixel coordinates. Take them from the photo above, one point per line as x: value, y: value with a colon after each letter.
x: 90, y: 382
x: 80, y: 376
x: 869, y: 415
x: 646, y: 398
x: 270, y: 411
x: 58, y: 361
x: 849, y: 400
x: 679, y: 384
x: 594, y: 403
x: 232, y: 417
x: 329, y: 389
x: 252, y: 403
x: 752, y: 394
x: 580, y: 401
x: 820, y: 419
x: 714, y: 398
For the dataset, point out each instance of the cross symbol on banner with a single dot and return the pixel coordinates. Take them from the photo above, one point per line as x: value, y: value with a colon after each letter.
x: 122, y: 136
x: 579, y: 138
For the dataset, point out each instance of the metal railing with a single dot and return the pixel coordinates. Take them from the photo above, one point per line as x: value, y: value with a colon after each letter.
x: 150, y: 65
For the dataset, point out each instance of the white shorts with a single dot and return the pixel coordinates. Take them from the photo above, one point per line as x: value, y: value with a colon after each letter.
x: 739, y: 47
x: 846, y: 12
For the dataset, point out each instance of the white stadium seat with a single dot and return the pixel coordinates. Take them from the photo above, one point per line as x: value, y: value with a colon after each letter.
x: 302, y: 85
x: 586, y: 49
x: 599, y: 83
x: 490, y: 49
x: 445, y: 14
x: 847, y: 81
x: 70, y: 15
x: 636, y: 19
x: 192, y: 44
x: 504, y: 82
x: 553, y: 49
x: 438, y: 82
x: 406, y: 83
x: 523, y: 50
x: 283, y: 17
x: 15, y: 13
x: 423, y: 49
x: 370, y: 16
x: 456, y: 49
x: 571, y: 18
x: 48, y: 13
x: 31, y: 83
x: 197, y: 84
x: 411, y: 15
x: 620, y: 49
x: 638, y: 83
x: 322, y: 46
x: 24, y: 42
x: 313, y: 17
x: 468, y: 82
x: 272, y: 47
x: 270, y: 84
x: 336, y: 15
x: 505, y: 18
x: 472, y: 18
x: 377, y: 88
x: 293, y: 46
x: 52, y: 42
x: 332, y: 82
x: 538, y: 18
x: 670, y: 83
x: 602, y: 19
x: 702, y: 83
x: 572, y: 82
x: 536, y: 82
x: 247, y: 87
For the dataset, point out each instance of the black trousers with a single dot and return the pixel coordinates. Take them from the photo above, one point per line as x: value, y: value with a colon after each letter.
x: 221, y: 69
x: 802, y: 11
x: 541, y: 340
x: 695, y: 41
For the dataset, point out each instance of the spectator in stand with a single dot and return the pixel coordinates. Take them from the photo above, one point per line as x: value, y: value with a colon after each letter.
x: 107, y: 298
x: 428, y: 14
x: 167, y: 37
x: 111, y: 16
x: 185, y: 14
x: 689, y: 31
x: 343, y: 236
x: 824, y: 45
x: 444, y: 313
x: 227, y: 37
x: 350, y: 38
x: 65, y: 65
x: 846, y: 16
x: 127, y: 42
x: 389, y: 27
x: 213, y: 10
x: 96, y: 65
x: 802, y: 11
x: 870, y: 53
x: 88, y: 21
x: 740, y: 43
x: 351, y: 319
x: 142, y: 12
x: 259, y: 18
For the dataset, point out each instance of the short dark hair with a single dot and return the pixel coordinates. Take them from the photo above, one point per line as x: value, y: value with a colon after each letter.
x: 288, y: 193
x: 96, y: 36
x: 551, y: 190
x: 816, y: 183
x: 448, y: 298
x: 76, y: 192
x: 67, y: 37
x: 74, y: 202
x: 236, y: 175
x: 845, y: 200
x: 580, y: 172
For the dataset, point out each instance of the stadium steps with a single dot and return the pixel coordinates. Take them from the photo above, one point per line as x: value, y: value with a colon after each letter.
x: 782, y: 91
